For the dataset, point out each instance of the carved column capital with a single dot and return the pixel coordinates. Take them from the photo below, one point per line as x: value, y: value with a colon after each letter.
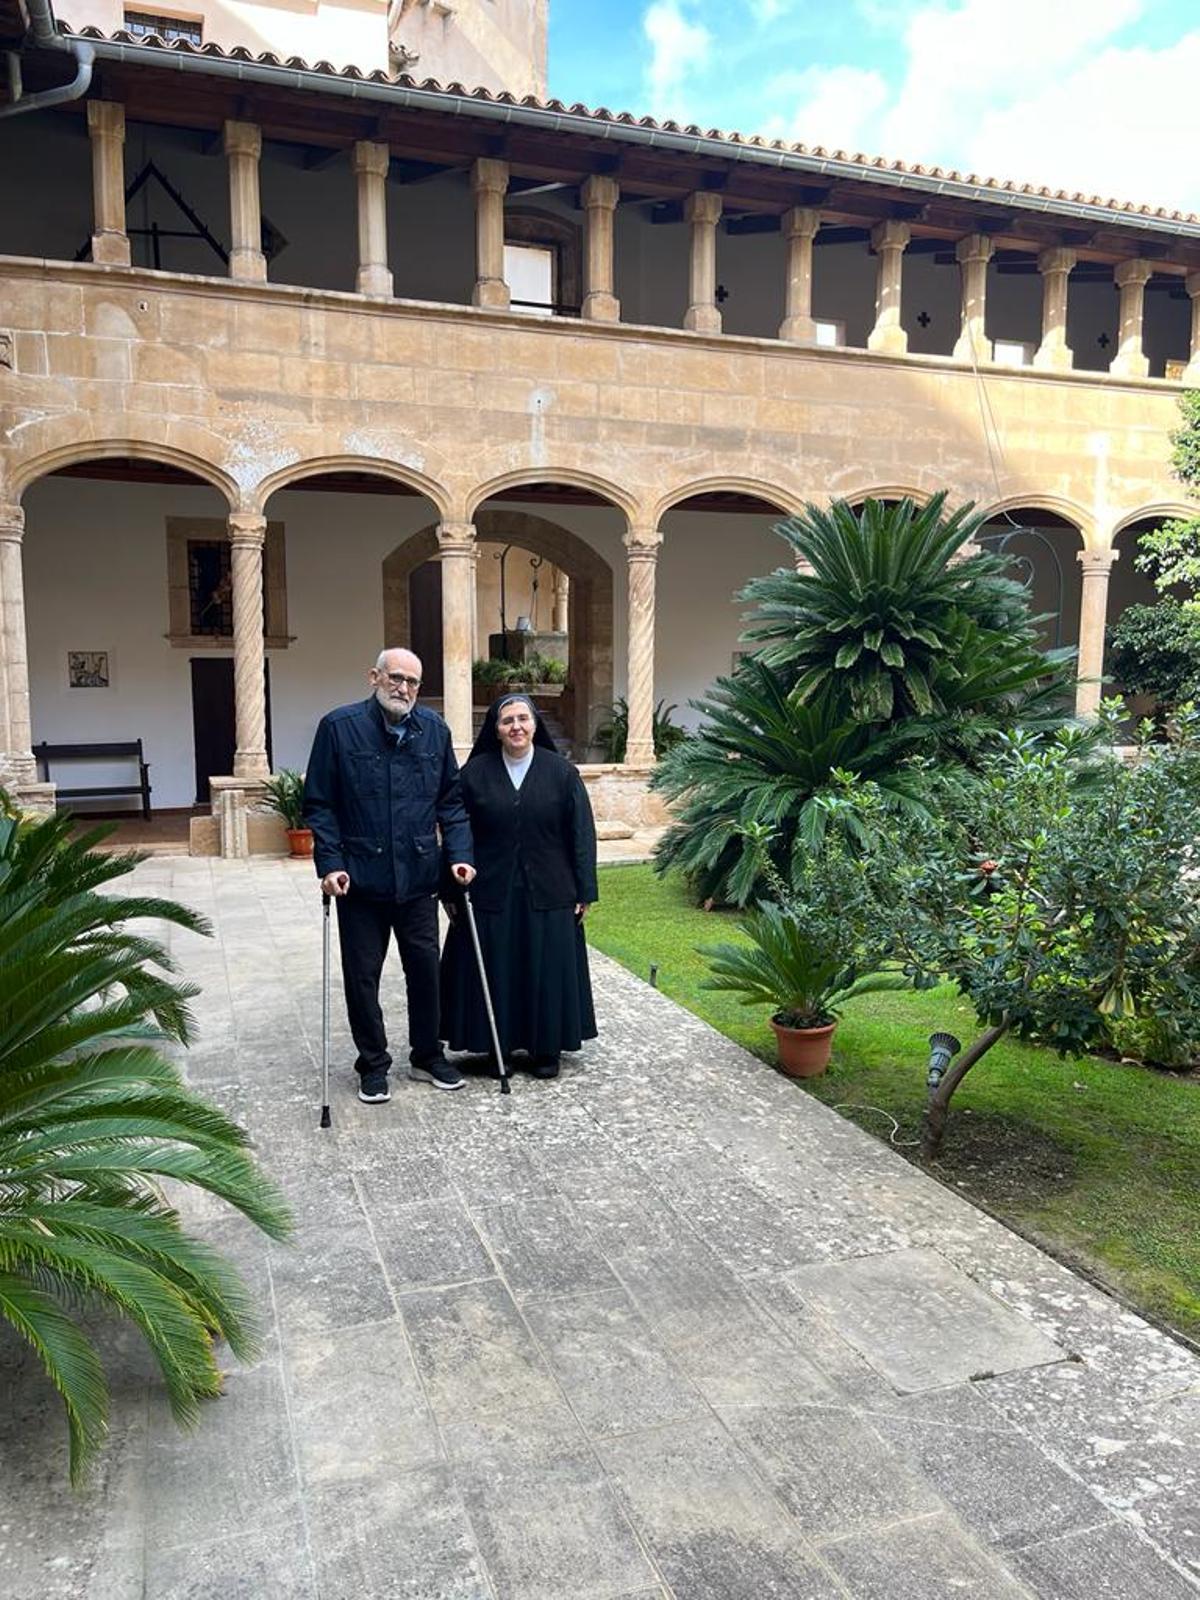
x: 975, y: 247
x: 1133, y: 274
x: 371, y: 159
x: 12, y: 523
x: 642, y: 544
x: 801, y: 222
x: 246, y: 530
x: 1097, y: 562
x: 243, y: 139
x: 890, y: 235
x: 456, y: 538
x: 489, y: 176
x: 1192, y: 284
x: 1056, y: 259
x: 703, y: 206
x: 599, y: 193
x: 106, y: 119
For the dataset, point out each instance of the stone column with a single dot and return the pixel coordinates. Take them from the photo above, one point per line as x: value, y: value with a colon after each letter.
x: 1093, y: 614
x: 599, y: 196
x: 560, y: 620
x: 370, y: 170
x: 889, y: 240
x: 456, y: 543
x: 243, y: 146
x: 800, y: 226
x: 489, y: 179
x: 1131, y: 361
x: 247, y: 536
x: 702, y: 212
x: 641, y: 546
x: 1054, y: 353
x: 106, y: 127
x: 17, y: 766
x: 974, y: 252
x: 1191, y: 373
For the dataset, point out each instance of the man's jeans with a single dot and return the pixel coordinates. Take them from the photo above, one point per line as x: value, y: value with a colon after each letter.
x: 364, y: 926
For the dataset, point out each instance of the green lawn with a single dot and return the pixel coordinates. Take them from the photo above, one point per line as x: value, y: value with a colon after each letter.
x: 1100, y: 1161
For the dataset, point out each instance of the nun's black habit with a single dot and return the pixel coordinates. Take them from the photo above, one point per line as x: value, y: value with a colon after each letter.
x: 535, y: 854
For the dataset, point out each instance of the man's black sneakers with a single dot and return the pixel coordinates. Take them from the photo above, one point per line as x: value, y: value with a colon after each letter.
x: 373, y: 1088
x: 440, y: 1074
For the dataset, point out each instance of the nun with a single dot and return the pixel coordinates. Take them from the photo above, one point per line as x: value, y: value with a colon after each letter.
x: 535, y: 854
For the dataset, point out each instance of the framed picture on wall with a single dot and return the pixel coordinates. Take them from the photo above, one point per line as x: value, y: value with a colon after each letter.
x: 88, y: 669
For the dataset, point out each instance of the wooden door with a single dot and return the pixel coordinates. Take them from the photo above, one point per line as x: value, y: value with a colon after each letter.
x: 214, y: 723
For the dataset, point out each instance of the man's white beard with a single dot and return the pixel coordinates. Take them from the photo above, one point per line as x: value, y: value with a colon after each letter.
x: 392, y: 710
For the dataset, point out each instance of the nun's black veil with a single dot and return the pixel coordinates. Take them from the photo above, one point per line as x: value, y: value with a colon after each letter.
x: 488, y: 740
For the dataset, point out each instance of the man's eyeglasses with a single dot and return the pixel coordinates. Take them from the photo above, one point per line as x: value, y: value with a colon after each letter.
x: 401, y: 679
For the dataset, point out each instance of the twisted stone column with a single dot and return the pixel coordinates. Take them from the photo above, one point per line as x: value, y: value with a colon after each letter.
x: 106, y: 128
x: 489, y: 179
x: 1054, y: 353
x: 974, y: 252
x: 247, y: 536
x: 702, y: 211
x: 889, y: 240
x: 800, y: 226
x: 641, y: 548
x: 370, y: 170
x: 456, y: 543
x: 1191, y: 373
x: 1093, y: 614
x: 243, y: 147
x: 1131, y: 361
x: 599, y: 196
x: 17, y: 766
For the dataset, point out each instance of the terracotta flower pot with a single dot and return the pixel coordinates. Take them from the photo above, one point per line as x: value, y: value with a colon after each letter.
x: 804, y: 1052
x: 300, y: 841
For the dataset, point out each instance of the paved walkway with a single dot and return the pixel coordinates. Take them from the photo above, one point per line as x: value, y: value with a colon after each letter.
x: 666, y: 1327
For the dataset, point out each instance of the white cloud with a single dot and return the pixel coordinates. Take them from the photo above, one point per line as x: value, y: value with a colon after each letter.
x: 768, y: 10
x: 834, y: 106
x: 679, y: 47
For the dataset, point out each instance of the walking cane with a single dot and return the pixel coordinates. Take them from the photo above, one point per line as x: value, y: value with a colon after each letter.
x: 326, y: 1119
x: 487, y: 995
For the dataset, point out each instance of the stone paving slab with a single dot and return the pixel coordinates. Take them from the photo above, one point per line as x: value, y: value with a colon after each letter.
x: 665, y: 1329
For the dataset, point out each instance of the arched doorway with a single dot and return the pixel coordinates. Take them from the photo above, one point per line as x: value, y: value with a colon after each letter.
x: 412, y: 602
x: 1040, y: 546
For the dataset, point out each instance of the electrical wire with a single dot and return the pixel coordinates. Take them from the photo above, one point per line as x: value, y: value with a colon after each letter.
x: 901, y: 1144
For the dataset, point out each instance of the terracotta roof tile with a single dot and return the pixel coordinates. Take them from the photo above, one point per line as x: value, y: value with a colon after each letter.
x: 869, y: 164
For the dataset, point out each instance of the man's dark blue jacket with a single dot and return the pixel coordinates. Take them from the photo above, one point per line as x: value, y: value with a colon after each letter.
x: 375, y: 806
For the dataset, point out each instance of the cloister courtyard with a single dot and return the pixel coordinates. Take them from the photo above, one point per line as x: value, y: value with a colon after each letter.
x: 665, y: 1327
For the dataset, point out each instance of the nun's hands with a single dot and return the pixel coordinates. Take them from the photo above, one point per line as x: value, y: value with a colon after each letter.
x: 581, y: 911
x: 462, y: 873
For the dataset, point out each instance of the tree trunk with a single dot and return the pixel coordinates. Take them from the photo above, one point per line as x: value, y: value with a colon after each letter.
x: 933, y: 1125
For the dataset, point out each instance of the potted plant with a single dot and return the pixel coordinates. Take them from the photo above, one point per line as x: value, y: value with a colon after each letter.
x: 795, y: 965
x: 285, y: 796
x: 538, y: 676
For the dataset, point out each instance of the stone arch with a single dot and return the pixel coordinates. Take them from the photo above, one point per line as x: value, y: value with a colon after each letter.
x: 81, y: 450
x: 783, y: 501
x: 1163, y: 512
x: 1082, y: 521
x: 883, y: 491
x: 528, y: 477
x: 1043, y: 557
x: 375, y: 466
x: 590, y: 624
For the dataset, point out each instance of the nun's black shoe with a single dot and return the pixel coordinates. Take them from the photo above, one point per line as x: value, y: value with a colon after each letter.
x: 544, y: 1066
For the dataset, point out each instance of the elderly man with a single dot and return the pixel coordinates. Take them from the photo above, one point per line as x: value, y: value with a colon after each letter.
x: 381, y: 785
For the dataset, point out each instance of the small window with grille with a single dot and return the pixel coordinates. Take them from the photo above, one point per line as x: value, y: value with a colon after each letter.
x: 210, y: 587
x: 141, y: 23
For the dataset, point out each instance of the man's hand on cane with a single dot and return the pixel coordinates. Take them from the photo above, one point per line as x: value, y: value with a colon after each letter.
x: 335, y: 883
x: 462, y: 873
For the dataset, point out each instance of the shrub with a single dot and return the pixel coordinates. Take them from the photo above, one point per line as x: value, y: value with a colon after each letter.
x: 1155, y: 650
x: 613, y: 735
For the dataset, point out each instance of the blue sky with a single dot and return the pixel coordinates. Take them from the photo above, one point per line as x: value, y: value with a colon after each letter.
x: 1098, y: 95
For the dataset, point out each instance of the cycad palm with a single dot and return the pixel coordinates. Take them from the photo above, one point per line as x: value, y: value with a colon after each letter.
x: 92, y: 1117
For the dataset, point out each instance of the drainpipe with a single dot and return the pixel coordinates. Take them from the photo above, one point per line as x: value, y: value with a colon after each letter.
x: 47, y: 37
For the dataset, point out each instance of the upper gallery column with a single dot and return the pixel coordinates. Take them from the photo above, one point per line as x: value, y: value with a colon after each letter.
x: 1093, y: 615
x: 370, y: 171
x: 800, y: 226
x: 641, y: 548
x: 243, y: 147
x: 1131, y: 361
x: 889, y: 240
x: 247, y: 537
x: 456, y: 546
x: 489, y: 179
x: 106, y: 128
x: 599, y: 196
x: 702, y: 212
x: 974, y: 252
x: 17, y: 766
x: 1191, y: 373
x: 1054, y: 353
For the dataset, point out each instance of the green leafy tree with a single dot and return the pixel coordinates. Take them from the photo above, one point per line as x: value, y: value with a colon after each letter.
x: 1155, y: 650
x: 92, y: 1119
x: 1171, y: 554
x: 1056, y: 889
x: 885, y: 648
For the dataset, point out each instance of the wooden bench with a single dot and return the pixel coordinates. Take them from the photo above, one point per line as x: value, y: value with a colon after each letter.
x: 130, y: 750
